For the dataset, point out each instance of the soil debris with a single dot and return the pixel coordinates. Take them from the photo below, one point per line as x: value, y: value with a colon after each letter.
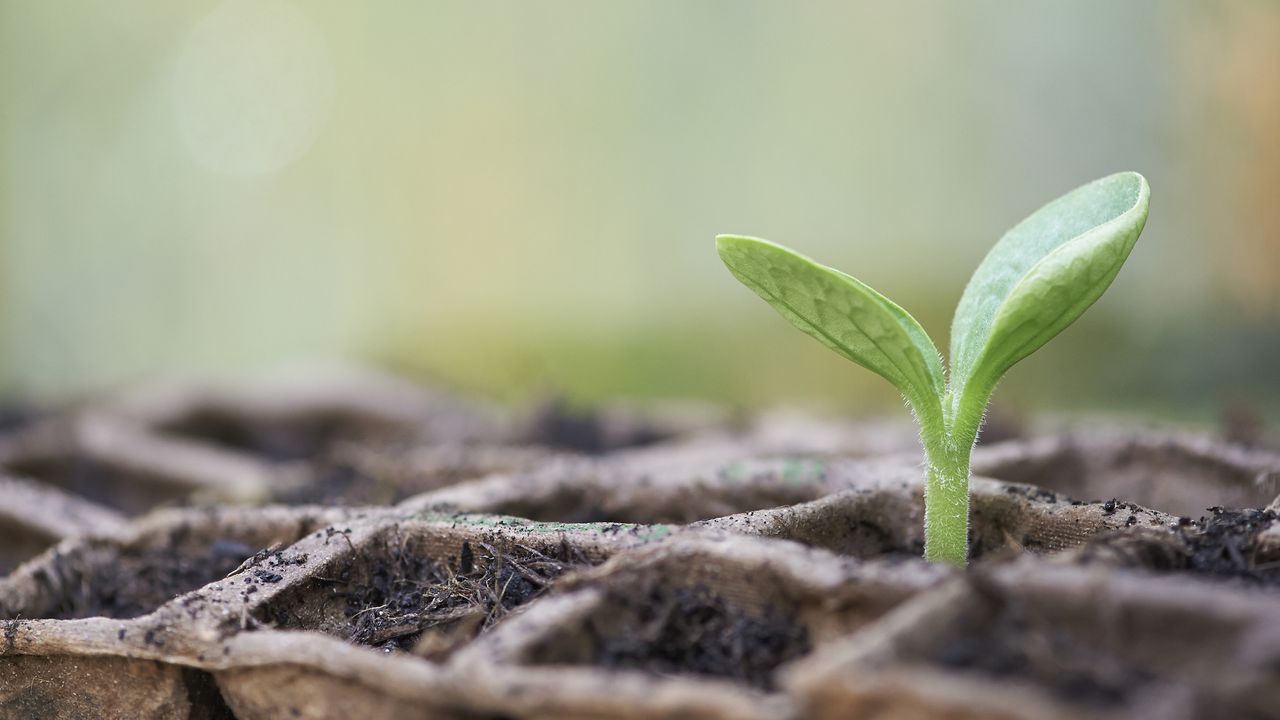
x: 268, y: 577
x: 1222, y: 546
x: 1225, y: 544
x: 1034, y: 493
x: 10, y: 634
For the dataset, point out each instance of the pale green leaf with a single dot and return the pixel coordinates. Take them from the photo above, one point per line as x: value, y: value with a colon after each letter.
x: 841, y: 313
x: 1042, y: 275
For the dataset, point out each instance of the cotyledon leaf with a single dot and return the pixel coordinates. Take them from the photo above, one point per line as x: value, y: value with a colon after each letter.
x: 1042, y: 275
x: 842, y: 313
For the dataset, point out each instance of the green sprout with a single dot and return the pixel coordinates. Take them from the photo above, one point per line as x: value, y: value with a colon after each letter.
x: 1040, y: 277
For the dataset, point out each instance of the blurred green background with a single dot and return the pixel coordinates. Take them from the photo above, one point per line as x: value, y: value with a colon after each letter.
x: 519, y: 199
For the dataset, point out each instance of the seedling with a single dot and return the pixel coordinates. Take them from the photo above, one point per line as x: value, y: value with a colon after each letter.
x: 1040, y: 277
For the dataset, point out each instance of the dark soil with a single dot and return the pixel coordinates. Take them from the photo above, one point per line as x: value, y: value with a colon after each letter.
x: 205, y: 697
x: 402, y: 598
x: 338, y: 483
x: 20, y: 545
x: 1001, y: 425
x: 559, y: 426
x: 1016, y: 643
x: 15, y: 416
x: 140, y: 579
x: 695, y: 631
x: 117, y: 487
x: 1221, y: 546
x: 1243, y: 423
x: 283, y: 439
x: 1225, y: 544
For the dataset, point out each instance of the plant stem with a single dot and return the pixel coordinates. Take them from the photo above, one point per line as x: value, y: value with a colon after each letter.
x: 946, y: 500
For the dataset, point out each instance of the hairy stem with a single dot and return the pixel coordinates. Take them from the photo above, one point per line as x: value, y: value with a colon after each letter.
x: 948, y: 443
x: 946, y: 501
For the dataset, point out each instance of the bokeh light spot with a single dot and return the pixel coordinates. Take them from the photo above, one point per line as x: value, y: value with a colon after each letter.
x: 252, y: 86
